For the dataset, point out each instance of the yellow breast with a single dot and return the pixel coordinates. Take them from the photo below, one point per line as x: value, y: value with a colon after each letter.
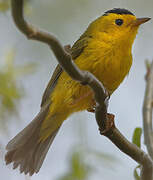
x: 109, y: 63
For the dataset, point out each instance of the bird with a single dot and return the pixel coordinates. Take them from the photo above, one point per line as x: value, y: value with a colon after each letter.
x: 105, y: 50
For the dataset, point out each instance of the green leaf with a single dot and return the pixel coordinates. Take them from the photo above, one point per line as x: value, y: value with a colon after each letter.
x: 4, y: 5
x: 136, y: 175
x: 137, y: 136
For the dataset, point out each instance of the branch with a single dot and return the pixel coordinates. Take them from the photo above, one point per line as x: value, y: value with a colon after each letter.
x: 148, y: 110
x: 105, y: 121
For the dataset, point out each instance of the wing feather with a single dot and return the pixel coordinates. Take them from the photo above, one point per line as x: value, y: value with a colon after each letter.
x: 75, y: 51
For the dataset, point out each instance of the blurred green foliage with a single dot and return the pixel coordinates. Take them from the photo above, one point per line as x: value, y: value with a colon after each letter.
x: 4, y: 5
x: 81, y: 166
x: 10, y: 91
x: 137, y: 136
x: 78, y: 168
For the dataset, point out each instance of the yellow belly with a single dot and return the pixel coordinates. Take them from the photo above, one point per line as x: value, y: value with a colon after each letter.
x: 111, y: 70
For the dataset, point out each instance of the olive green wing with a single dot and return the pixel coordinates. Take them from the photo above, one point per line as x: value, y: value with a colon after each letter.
x: 57, y: 72
x: 79, y: 46
x: 75, y: 51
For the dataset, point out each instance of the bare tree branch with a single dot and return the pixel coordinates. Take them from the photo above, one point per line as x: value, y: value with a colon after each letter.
x: 148, y: 110
x: 105, y: 121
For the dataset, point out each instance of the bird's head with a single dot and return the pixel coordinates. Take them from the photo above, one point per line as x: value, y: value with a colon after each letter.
x: 119, y: 24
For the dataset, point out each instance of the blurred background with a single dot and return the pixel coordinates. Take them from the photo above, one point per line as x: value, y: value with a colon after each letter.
x: 78, y: 151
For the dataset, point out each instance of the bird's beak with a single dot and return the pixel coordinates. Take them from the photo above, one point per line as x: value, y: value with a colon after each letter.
x: 140, y: 21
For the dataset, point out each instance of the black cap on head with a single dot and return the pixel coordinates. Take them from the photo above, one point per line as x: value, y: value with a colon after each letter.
x: 118, y: 11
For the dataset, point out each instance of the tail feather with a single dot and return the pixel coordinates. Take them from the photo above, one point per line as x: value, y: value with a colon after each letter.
x: 25, y: 149
x: 20, y: 138
x: 42, y: 150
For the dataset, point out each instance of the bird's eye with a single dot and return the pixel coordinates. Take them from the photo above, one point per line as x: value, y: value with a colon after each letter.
x: 119, y: 22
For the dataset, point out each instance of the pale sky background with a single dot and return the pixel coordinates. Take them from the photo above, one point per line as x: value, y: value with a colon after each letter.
x: 68, y: 19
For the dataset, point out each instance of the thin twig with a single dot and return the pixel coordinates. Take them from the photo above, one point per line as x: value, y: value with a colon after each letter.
x: 148, y: 110
x: 104, y: 120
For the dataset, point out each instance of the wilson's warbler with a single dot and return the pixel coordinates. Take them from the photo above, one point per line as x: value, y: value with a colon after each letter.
x: 105, y: 50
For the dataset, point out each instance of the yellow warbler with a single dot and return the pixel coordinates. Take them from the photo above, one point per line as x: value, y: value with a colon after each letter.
x: 105, y: 50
